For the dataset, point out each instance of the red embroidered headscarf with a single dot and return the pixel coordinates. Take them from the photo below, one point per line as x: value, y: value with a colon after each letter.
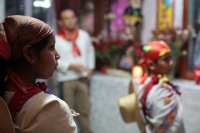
x: 155, y: 50
x: 152, y: 52
x: 18, y: 31
x: 15, y: 33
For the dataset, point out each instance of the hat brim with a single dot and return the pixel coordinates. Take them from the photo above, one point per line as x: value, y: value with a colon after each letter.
x: 130, y: 110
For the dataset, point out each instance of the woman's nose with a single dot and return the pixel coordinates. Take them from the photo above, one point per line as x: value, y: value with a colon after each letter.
x: 57, y: 55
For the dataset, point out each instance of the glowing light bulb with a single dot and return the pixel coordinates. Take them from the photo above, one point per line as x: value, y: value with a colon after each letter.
x: 44, y: 4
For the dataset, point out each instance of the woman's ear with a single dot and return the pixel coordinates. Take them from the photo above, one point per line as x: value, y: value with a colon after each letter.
x: 28, y: 53
x: 151, y: 65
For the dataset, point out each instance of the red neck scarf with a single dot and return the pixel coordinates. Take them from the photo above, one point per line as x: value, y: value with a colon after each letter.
x: 72, y: 38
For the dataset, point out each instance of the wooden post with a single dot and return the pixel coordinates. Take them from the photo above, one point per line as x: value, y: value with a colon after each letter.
x: 102, y: 7
x: 184, y: 73
x: 98, y: 16
x: 72, y: 4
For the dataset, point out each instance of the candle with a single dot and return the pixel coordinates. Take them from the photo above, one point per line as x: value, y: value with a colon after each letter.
x: 197, y: 75
x: 137, y: 71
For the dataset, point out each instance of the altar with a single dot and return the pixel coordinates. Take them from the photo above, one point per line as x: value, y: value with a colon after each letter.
x: 105, y: 91
x: 105, y: 115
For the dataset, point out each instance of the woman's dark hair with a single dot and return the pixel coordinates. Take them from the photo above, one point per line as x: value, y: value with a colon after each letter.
x: 37, y: 47
x: 41, y: 44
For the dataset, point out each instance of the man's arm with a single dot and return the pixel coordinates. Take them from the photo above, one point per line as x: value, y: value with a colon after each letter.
x: 91, y: 58
x: 90, y: 72
x: 76, y: 67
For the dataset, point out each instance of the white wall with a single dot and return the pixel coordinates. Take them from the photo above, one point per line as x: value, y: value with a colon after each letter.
x: 149, y: 19
x: 178, y: 14
x: 28, y: 7
x: 2, y: 10
x: 149, y: 11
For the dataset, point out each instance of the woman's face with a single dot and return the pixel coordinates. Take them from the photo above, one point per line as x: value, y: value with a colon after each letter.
x: 45, y: 63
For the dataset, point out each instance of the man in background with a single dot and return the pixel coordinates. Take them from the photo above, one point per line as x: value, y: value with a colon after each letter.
x: 76, y: 65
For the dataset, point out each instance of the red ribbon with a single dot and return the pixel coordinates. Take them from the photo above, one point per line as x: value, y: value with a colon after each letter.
x: 17, y: 80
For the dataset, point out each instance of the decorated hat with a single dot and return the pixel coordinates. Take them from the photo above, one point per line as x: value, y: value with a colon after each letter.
x: 130, y: 110
x: 155, y: 50
x: 133, y: 14
x: 6, y: 124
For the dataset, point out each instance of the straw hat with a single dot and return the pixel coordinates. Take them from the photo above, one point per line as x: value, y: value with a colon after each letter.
x: 130, y: 110
x: 6, y: 124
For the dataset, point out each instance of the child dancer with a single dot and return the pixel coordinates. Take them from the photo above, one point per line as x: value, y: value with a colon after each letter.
x: 160, y: 100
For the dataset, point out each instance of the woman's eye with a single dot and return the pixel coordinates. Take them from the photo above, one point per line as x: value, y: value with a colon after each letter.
x: 53, y: 47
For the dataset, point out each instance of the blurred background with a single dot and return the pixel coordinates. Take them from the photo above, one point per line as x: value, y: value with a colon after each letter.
x: 119, y: 29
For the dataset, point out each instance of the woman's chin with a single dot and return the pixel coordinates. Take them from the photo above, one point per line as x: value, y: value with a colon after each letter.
x: 49, y: 77
x: 46, y: 77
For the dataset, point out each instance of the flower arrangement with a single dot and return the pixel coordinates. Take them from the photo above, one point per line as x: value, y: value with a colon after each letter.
x: 175, y: 38
x: 108, y: 49
x: 111, y: 49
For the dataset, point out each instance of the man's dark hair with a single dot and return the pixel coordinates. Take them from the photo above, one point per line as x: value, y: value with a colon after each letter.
x: 59, y: 17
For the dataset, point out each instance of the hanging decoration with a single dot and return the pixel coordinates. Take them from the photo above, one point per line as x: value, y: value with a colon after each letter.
x: 165, y: 13
x: 168, y: 3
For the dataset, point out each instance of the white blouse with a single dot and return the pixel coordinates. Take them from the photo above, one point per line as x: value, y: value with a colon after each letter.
x: 44, y: 113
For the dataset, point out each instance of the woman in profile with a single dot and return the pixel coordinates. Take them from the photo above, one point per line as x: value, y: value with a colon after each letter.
x: 27, y: 52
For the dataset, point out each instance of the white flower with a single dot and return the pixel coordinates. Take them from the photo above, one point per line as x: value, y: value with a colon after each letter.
x: 185, y: 32
x: 123, y: 36
x: 99, y: 36
x: 184, y: 52
x: 167, y: 37
x: 178, y: 32
x: 160, y: 36
x: 194, y: 33
x: 95, y: 39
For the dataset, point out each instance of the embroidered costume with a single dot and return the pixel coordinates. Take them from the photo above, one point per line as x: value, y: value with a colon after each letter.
x: 160, y: 100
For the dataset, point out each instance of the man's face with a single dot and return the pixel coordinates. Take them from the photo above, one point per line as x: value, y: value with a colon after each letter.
x: 68, y: 19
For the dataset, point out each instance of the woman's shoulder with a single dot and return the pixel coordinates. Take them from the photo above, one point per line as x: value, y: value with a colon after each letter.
x: 46, y: 98
x: 52, y: 102
x: 42, y: 101
x: 48, y: 109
